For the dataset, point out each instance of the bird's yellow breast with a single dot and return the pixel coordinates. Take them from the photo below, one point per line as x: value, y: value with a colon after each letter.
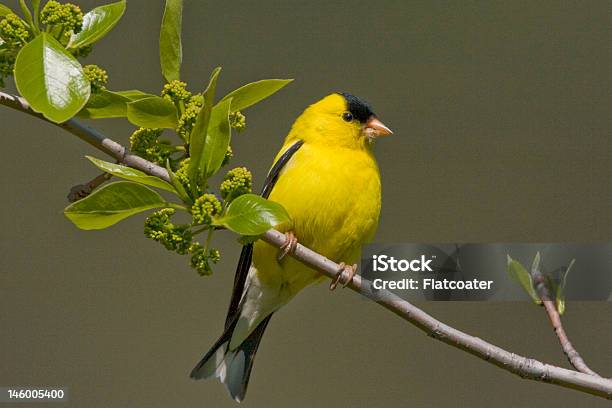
x: 333, y: 197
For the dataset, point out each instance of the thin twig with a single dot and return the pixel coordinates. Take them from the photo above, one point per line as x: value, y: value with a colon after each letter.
x: 572, y: 355
x: 542, y: 287
x: 83, y: 190
x: 522, y: 366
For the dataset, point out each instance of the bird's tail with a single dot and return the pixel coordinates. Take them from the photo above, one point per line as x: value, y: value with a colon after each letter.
x: 231, y: 367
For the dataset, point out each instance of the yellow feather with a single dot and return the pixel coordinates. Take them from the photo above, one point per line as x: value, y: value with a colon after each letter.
x: 331, y: 189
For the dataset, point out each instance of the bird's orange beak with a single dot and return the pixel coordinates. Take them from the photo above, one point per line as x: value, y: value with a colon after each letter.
x: 375, y: 128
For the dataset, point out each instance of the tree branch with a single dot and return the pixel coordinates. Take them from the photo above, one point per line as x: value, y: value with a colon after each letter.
x: 91, y: 136
x: 522, y: 366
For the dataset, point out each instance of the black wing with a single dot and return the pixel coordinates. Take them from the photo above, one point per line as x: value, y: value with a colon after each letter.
x: 246, y: 255
x: 278, y: 166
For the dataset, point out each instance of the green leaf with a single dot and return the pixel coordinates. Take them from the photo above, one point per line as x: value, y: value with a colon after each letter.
x: 560, y: 301
x: 51, y: 79
x: 152, y: 112
x: 105, y: 104
x: 198, y: 136
x: 251, y: 214
x: 170, y: 48
x: 217, y: 139
x: 254, y: 92
x: 5, y: 10
x: 112, y: 203
x: 560, y: 292
x: 520, y: 275
x: 97, y: 23
x: 131, y: 174
x: 535, y: 266
x: 134, y: 94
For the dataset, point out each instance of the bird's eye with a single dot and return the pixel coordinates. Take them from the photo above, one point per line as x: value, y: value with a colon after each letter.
x: 347, y: 116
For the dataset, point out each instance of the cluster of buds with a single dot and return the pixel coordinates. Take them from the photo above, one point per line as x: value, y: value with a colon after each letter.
x: 188, y: 118
x: 201, y: 258
x: 236, y: 182
x: 179, y: 238
x: 176, y: 91
x: 62, y: 19
x: 159, y: 227
x: 181, y: 174
x: 13, y: 31
x: 97, y: 77
x: 205, y: 208
x: 14, y: 34
x: 237, y: 121
x: 145, y: 142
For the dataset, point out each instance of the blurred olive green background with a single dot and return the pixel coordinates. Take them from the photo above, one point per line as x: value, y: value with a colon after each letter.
x: 501, y: 113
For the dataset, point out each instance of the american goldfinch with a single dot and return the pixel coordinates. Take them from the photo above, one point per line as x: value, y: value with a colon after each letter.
x: 326, y: 177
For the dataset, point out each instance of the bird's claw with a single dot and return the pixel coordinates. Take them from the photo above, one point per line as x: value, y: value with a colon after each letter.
x: 346, y: 273
x: 289, y: 246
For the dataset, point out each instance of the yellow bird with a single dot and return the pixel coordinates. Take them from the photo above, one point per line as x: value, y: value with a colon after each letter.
x: 326, y: 177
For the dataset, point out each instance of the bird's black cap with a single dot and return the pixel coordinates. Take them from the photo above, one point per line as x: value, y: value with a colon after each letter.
x: 360, y: 109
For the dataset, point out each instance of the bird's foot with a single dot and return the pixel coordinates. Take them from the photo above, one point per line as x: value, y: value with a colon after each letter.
x: 345, y: 275
x: 289, y: 246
